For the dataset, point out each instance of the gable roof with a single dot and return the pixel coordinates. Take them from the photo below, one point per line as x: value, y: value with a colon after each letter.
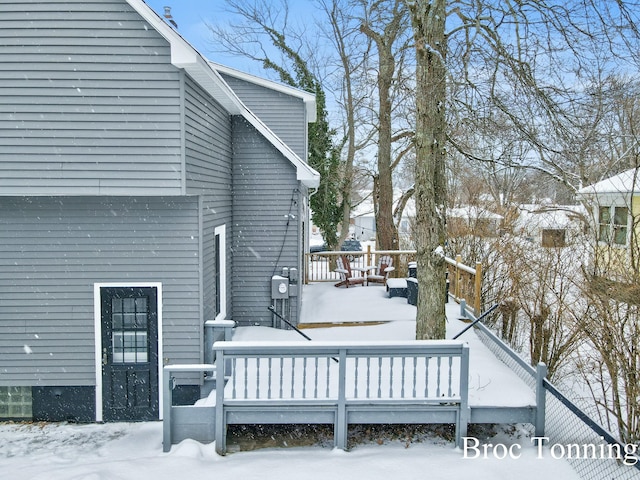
x: 623, y: 183
x: 186, y: 57
x: 309, y: 99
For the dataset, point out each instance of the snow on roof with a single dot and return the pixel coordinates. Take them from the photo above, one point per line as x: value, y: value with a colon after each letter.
x: 185, y: 56
x: 470, y: 212
x: 625, y: 182
x: 365, y: 207
x: 549, y: 216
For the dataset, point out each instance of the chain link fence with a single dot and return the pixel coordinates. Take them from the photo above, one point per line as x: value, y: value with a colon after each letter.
x: 572, y: 435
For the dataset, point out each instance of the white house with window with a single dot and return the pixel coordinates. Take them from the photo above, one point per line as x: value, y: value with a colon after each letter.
x: 615, y: 206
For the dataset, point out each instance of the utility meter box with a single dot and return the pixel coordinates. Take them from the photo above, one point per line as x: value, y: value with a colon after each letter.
x: 279, y: 287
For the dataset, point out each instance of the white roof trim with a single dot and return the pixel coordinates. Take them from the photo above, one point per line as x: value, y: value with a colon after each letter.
x: 309, y: 99
x: 622, y: 183
x: 184, y: 56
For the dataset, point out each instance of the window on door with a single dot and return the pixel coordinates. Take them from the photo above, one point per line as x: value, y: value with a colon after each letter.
x: 129, y: 318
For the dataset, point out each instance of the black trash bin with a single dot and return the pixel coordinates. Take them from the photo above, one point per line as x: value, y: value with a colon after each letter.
x: 412, y: 291
x: 446, y: 289
x: 413, y: 269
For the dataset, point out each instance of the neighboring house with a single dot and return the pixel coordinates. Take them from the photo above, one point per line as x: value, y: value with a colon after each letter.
x: 143, y: 192
x: 363, y: 221
x: 465, y: 220
x: 614, y: 204
x: 550, y: 225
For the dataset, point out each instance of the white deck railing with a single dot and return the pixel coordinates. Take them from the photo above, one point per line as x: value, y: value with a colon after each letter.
x: 342, y: 383
x: 337, y: 383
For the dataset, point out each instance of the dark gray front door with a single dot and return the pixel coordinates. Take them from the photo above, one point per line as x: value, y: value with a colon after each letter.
x: 129, y: 353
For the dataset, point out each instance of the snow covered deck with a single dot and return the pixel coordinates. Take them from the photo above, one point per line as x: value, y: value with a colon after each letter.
x: 493, y: 393
x: 361, y: 309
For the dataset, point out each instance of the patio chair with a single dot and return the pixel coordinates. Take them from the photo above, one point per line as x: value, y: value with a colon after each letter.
x: 343, y: 267
x: 381, y: 272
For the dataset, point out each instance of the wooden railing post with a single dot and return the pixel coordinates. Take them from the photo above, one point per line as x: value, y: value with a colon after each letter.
x: 307, y: 266
x: 478, y: 289
x: 458, y: 262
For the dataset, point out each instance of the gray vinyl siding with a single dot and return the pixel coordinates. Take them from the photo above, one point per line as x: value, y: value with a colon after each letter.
x: 90, y: 103
x: 209, y: 154
x: 208, y: 147
x: 53, y: 250
x: 265, y: 191
x: 283, y: 114
x: 214, y: 217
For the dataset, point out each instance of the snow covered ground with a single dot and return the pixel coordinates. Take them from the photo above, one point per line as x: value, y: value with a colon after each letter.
x: 134, y: 451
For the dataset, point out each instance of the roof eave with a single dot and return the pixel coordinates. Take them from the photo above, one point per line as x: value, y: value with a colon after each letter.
x: 184, y: 56
x: 308, y: 98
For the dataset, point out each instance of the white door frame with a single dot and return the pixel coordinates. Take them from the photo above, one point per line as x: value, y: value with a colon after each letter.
x: 222, y: 232
x: 97, y: 313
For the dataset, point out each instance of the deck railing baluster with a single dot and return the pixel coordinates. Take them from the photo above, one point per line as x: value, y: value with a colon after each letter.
x: 281, y: 376
x: 426, y: 379
x: 293, y: 376
x: 439, y: 363
x: 402, y: 377
x: 234, y: 375
x: 315, y: 378
x: 257, y: 377
x: 379, y: 377
x: 246, y: 377
x: 390, y: 377
x: 304, y: 377
x: 368, y: 376
x: 269, y: 378
x: 450, y: 375
x: 415, y: 378
x: 355, y: 379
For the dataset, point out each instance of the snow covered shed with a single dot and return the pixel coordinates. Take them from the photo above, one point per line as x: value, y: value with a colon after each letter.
x: 140, y: 197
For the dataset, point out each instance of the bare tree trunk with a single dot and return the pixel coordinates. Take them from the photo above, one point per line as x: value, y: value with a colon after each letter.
x: 387, y: 235
x: 428, y: 20
x: 388, y: 57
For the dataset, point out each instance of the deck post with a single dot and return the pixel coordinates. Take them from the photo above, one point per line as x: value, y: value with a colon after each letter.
x: 463, y: 308
x: 221, y: 424
x: 166, y: 409
x: 465, y: 411
x: 456, y: 289
x: 340, y: 427
x: 541, y: 374
x: 477, y: 297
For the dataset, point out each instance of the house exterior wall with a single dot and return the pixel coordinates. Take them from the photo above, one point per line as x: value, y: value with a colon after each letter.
x: 90, y: 102
x: 614, y: 261
x: 53, y: 250
x: 283, y: 114
x: 118, y: 168
x: 265, y: 193
x: 209, y: 153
